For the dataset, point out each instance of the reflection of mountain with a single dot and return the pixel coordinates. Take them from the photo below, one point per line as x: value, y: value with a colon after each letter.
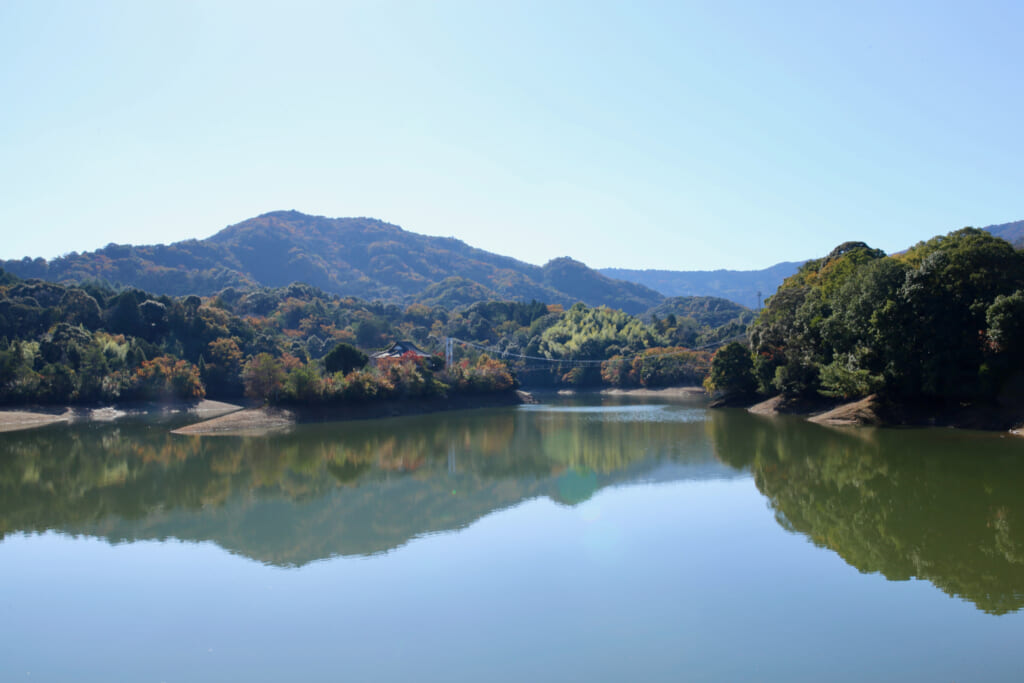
x: 325, y: 490
x: 934, y: 504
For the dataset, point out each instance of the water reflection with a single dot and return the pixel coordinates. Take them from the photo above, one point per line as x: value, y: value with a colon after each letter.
x: 940, y: 505
x: 330, y: 489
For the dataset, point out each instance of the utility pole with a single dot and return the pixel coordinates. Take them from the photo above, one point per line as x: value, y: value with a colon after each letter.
x: 449, y: 352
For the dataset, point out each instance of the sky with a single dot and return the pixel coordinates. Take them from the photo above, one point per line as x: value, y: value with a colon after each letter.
x: 676, y: 135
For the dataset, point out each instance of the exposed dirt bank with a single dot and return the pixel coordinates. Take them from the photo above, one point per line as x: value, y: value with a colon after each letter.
x: 248, y: 422
x: 877, y: 412
x: 13, y: 419
x: 865, y: 412
x: 260, y: 421
x: 781, y: 405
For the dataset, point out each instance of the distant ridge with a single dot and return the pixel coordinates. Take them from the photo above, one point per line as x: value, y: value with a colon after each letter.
x: 1011, y: 232
x: 374, y: 260
x: 739, y: 286
x: 360, y: 257
x: 742, y: 286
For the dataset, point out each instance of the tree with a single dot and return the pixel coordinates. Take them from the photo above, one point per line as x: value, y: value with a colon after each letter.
x: 344, y: 358
x: 304, y: 385
x: 79, y: 308
x: 676, y: 366
x: 732, y: 371
x: 371, y: 332
x: 123, y: 317
x: 153, y: 315
x: 616, y: 371
x: 222, y: 368
x: 167, y: 377
x: 957, y: 277
x: 1005, y: 318
x: 263, y: 377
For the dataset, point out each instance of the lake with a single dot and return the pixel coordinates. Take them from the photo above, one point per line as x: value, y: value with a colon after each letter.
x: 589, y: 539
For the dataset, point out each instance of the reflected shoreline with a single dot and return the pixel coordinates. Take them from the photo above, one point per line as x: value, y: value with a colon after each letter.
x: 934, y: 504
x: 938, y: 505
x: 322, y: 490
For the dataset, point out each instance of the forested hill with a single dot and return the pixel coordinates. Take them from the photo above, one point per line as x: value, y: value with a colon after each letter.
x: 935, y: 328
x: 740, y: 286
x: 360, y: 257
x: 374, y: 260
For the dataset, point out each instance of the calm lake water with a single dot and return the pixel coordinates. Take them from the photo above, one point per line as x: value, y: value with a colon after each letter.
x: 583, y: 540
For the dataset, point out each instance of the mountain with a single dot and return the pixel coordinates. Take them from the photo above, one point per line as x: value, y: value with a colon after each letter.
x: 740, y: 286
x: 374, y: 260
x: 1011, y: 232
x: 360, y: 257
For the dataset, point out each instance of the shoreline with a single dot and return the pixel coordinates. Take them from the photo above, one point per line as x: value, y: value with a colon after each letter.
x: 273, y: 419
x: 873, y: 411
x: 221, y: 418
x: 19, y: 418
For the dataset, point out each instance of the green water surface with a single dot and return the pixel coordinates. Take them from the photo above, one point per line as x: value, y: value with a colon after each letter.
x: 590, y: 539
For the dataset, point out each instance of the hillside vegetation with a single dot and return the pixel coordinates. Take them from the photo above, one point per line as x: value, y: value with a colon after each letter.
x: 359, y: 257
x: 90, y: 343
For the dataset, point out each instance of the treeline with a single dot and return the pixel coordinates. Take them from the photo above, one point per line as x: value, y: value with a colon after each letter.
x: 94, y: 342
x: 585, y: 346
x: 941, y: 323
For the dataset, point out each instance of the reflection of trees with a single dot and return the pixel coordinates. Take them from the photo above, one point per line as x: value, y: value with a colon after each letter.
x: 608, y: 443
x: 321, y: 490
x: 597, y: 445
x: 932, y: 504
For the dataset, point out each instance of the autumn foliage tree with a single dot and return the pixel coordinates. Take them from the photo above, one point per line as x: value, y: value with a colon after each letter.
x: 264, y: 377
x: 165, y: 377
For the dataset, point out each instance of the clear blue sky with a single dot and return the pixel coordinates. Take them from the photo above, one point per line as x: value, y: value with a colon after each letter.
x: 681, y: 135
